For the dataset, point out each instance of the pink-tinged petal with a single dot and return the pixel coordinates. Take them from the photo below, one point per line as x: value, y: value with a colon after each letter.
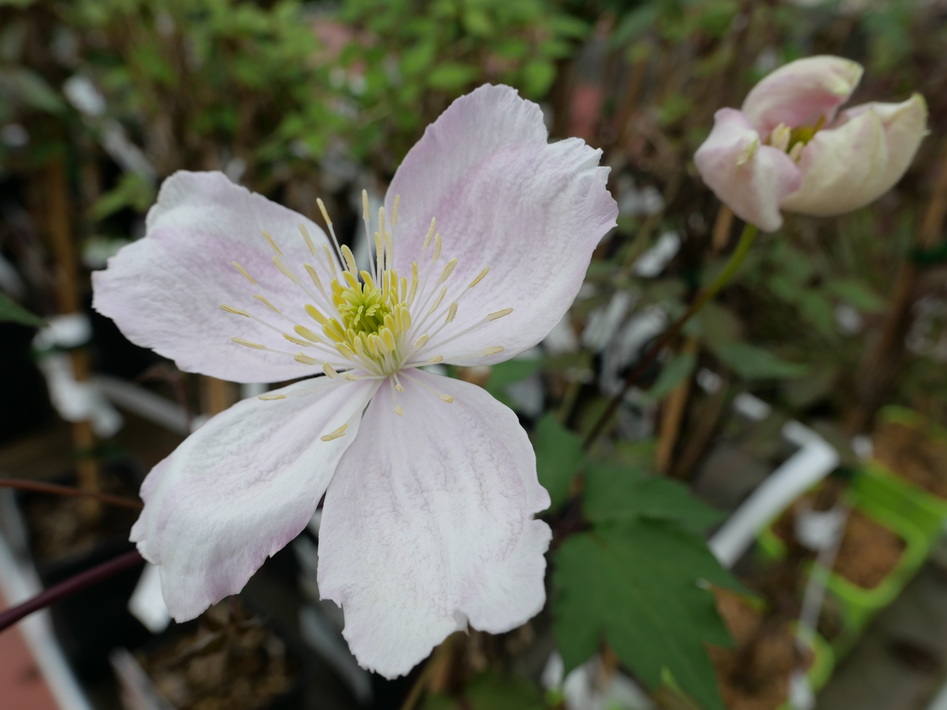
x: 842, y: 168
x: 506, y: 199
x: 751, y: 178
x: 904, y: 125
x: 241, y: 487
x: 428, y: 524
x: 165, y: 291
x: 801, y: 92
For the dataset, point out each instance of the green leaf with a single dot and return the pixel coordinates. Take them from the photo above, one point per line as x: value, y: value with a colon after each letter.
x: 752, y: 363
x: 676, y: 371
x: 507, y: 373
x: 558, y: 457
x: 12, y: 311
x: 491, y: 692
x: 451, y: 76
x: 635, y: 585
x: 418, y: 58
x: 616, y: 494
x: 538, y: 77
x: 857, y: 294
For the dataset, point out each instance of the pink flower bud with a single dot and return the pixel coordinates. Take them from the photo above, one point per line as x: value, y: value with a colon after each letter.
x: 787, y: 150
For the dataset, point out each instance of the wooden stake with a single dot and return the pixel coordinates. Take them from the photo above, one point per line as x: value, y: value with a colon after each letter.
x: 59, y: 226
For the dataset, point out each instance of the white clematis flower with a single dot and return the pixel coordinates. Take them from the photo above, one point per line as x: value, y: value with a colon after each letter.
x: 430, y: 484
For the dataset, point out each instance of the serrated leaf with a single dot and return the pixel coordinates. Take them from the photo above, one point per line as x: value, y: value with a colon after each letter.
x: 491, y: 692
x: 616, y: 494
x: 558, y: 457
x: 635, y: 585
x: 752, y: 363
x: 11, y: 311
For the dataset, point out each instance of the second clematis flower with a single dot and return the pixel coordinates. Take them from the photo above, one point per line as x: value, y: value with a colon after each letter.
x: 786, y: 149
x: 430, y: 484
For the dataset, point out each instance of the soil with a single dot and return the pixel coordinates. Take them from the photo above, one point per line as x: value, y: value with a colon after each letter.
x: 912, y: 454
x: 60, y: 526
x: 221, y: 664
x: 869, y: 550
x: 760, y: 682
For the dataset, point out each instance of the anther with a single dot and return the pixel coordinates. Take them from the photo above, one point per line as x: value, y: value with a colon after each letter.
x: 316, y: 315
x: 437, y: 248
x: 281, y: 265
x: 500, y: 314
x: 394, y: 211
x: 451, y: 312
x: 421, y: 342
x: 235, y: 311
x: 244, y: 273
x: 324, y: 211
x: 305, y: 359
x: 248, y: 344
x: 435, y: 360
x: 492, y: 351
x: 305, y: 233
x: 329, y: 370
x: 483, y: 272
x: 297, y: 341
x: 266, y: 302
x: 430, y: 234
x: 336, y: 434
x: 314, y: 276
x: 349, y: 259
x: 448, y: 270
x: 399, y: 410
x: 307, y: 334
x: 272, y: 243
x: 446, y: 398
x: 269, y: 397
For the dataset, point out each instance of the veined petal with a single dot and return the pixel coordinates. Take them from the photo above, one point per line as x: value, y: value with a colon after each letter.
x: 904, y: 125
x: 428, y: 523
x: 506, y: 199
x: 241, y: 487
x: 801, y: 92
x: 165, y: 291
x: 842, y: 168
x: 751, y: 178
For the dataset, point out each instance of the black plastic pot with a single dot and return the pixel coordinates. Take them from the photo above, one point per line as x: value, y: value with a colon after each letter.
x: 93, y: 621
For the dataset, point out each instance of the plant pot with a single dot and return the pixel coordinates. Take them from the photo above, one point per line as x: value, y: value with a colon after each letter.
x: 779, y: 657
x: 93, y: 621
x: 209, y: 664
x: 879, y: 483
x: 859, y: 604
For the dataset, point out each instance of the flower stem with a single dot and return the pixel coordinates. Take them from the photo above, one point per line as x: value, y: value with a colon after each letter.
x: 56, y: 489
x: 736, y: 258
x: 68, y: 587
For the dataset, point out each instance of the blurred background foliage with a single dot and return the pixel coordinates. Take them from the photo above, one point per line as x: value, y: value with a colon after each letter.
x: 300, y: 100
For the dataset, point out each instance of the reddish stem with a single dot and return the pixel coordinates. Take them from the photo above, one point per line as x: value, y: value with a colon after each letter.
x: 68, y: 587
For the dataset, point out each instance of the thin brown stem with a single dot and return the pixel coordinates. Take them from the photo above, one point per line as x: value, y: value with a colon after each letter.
x: 56, y: 489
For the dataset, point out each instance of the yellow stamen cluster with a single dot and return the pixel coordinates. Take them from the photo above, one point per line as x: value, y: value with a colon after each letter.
x: 371, y: 320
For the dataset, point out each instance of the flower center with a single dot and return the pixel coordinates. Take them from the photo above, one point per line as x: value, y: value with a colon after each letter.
x: 372, y: 320
x: 374, y: 324
x: 794, y: 140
